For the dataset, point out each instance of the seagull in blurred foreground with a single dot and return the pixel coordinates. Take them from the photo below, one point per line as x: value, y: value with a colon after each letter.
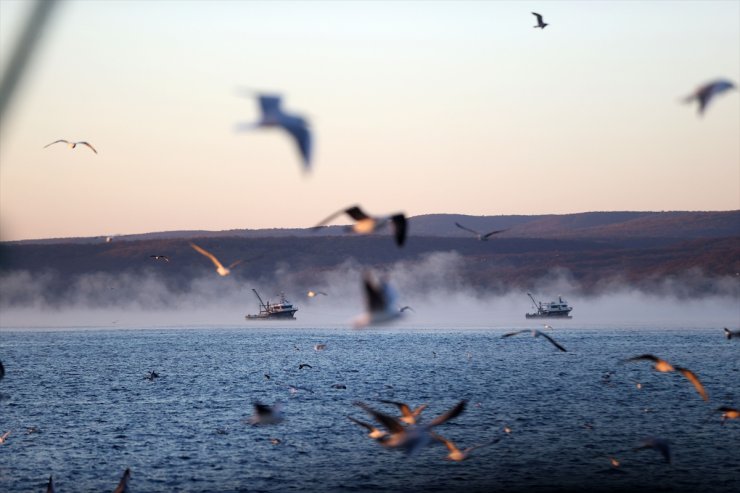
x: 704, y: 94
x: 312, y: 294
x: 123, y: 484
x: 728, y: 413
x: 365, y: 224
x: 380, y: 302
x: 72, y: 145
x: 373, y: 432
x: 266, y: 415
x: 457, y: 455
x: 540, y: 23
x: 411, y: 438
x: 160, y: 257
x: 481, y: 236
x: 404, y: 308
x: 4, y: 436
x: 663, y: 366
x: 729, y: 334
x: 50, y: 485
x: 2, y: 370
x: 658, y: 444
x: 536, y: 333
x: 408, y: 415
x: 274, y: 116
x: 222, y: 271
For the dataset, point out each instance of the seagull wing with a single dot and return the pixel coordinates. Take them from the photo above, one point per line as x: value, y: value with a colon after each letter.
x: 455, y: 411
x: 450, y: 446
x: 391, y: 423
x: 367, y: 426
x: 551, y: 340
x: 375, y: 295
x: 538, y: 16
x: 123, y: 484
x: 648, y: 357
x: 2, y: 370
x: 234, y: 264
x: 399, y: 228
x: 88, y: 145
x: 50, y: 485
x: 402, y: 406
x: 207, y: 254
x: 269, y: 105
x: 488, y: 235
x: 298, y: 129
x: 466, y: 229
x: 355, y: 212
x: 515, y: 333
x: 691, y: 377
x: 56, y: 142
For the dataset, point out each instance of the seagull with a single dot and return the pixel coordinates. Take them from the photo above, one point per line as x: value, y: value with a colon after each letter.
x: 404, y: 308
x: 2, y: 370
x: 705, y: 93
x: 481, y: 236
x: 72, y: 145
x: 365, y: 224
x: 729, y: 334
x: 658, y: 444
x: 311, y: 294
x: 380, y: 302
x: 151, y: 375
x: 728, y: 413
x: 274, y: 116
x: 456, y: 454
x: 50, y: 485
x: 319, y: 347
x: 663, y: 366
x: 409, y: 416
x: 123, y: 484
x: 4, y: 436
x: 540, y: 23
x: 304, y: 365
x: 536, y: 333
x: 266, y: 415
x: 222, y: 271
x: 160, y: 257
x: 413, y: 437
x: 373, y: 432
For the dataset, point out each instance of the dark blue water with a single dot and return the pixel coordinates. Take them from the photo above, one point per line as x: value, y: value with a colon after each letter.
x: 96, y: 415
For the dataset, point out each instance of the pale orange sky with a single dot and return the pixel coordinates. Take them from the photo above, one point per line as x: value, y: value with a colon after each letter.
x: 417, y: 106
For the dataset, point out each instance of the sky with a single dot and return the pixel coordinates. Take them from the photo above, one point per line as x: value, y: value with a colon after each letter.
x: 421, y: 107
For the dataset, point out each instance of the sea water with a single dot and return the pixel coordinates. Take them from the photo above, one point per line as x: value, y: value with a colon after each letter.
x: 81, y: 410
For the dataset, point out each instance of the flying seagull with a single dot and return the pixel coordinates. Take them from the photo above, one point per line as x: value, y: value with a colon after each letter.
x: 123, y: 484
x: 409, y: 416
x: 222, y: 271
x: 481, y: 236
x: 160, y: 257
x: 380, y: 302
x: 540, y: 23
x: 274, y: 116
x: 312, y: 294
x: 663, y: 366
x: 72, y: 145
x: 659, y: 444
x: 413, y: 437
x: 731, y: 333
x: 373, y: 432
x: 266, y: 415
x: 4, y: 437
x: 728, y: 413
x: 536, y: 333
x: 705, y: 93
x: 457, y: 455
x: 365, y: 224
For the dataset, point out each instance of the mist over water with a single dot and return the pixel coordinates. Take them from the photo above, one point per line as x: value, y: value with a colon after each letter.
x: 433, y: 287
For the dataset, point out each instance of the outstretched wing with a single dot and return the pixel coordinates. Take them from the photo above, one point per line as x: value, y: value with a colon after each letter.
x: 466, y: 229
x: 298, y: 129
x: 399, y: 228
x: 551, y: 340
x: 648, y: 357
x: 269, y: 105
x: 455, y: 411
x: 123, y: 484
x: 207, y: 254
x: 509, y: 334
x: 391, y: 423
x: 539, y: 17
x: 375, y: 294
x: 691, y: 377
x: 56, y: 142
x: 488, y: 235
x: 88, y: 145
x: 354, y: 212
x: 367, y: 426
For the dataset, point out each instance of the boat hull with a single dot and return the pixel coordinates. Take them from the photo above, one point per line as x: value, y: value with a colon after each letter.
x: 286, y: 315
x: 547, y: 315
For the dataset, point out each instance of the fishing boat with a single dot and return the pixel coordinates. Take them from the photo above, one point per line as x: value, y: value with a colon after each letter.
x: 551, y: 309
x: 283, y: 310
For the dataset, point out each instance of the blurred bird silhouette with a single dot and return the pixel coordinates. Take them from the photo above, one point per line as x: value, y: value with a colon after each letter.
x: 123, y: 484
x: 663, y: 366
x: 536, y: 333
x: 728, y: 413
x: 312, y: 294
x: 4, y: 437
x: 266, y: 415
x: 706, y: 93
x: 729, y: 334
x: 380, y: 302
x: 222, y: 271
x: 658, y: 444
x: 72, y: 145
x: 457, y: 455
x: 408, y: 415
x: 365, y: 224
x: 160, y: 257
x: 480, y: 236
x: 410, y: 438
x: 296, y: 126
x: 50, y: 485
x: 540, y: 23
x: 373, y: 432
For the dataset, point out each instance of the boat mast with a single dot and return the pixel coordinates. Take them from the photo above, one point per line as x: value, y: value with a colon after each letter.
x: 534, y: 302
x: 262, y: 303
